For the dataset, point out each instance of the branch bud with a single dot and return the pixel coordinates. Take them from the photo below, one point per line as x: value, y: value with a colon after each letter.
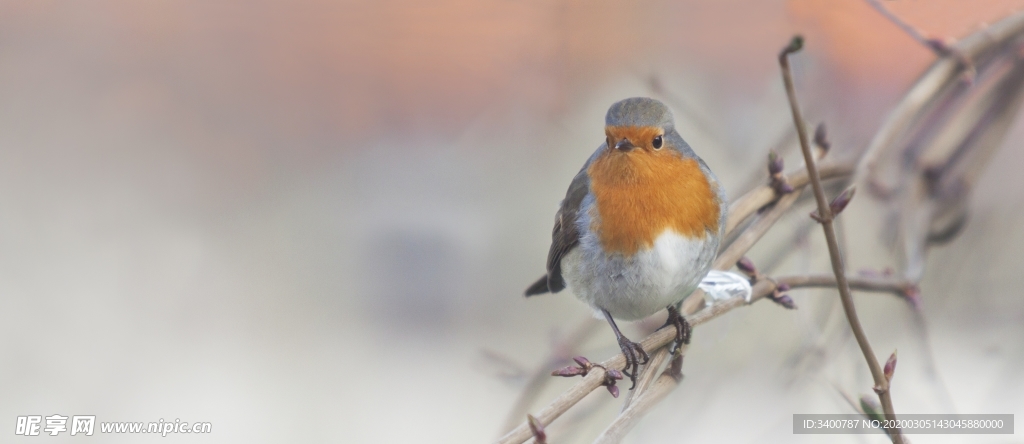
x: 890, y: 366
x: 538, y: 429
x: 582, y: 362
x: 796, y: 44
x: 614, y: 390
x: 785, y: 301
x: 841, y: 201
x: 783, y: 187
x: 775, y: 163
x: 610, y: 377
x: 778, y: 180
x: 938, y: 45
x: 821, y: 139
x: 675, y: 367
x: 746, y: 266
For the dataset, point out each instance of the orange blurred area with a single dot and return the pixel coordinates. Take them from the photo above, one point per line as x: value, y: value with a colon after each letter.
x: 362, y: 67
x: 871, y: 49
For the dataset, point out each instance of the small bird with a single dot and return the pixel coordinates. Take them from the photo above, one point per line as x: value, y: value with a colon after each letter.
x: 639, y: 226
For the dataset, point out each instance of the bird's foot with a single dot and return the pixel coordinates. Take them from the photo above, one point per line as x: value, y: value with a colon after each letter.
x: 635, y: 357
x: 683, y: 329
x: 632, y: 351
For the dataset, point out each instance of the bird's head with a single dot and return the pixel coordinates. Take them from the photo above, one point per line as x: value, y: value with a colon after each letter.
x: 641, y: 126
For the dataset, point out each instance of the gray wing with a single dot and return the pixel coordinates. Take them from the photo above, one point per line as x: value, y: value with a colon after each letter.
x: 564, y: 237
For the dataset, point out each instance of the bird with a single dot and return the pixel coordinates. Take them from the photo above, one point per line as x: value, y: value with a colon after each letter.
x: 639, y: 227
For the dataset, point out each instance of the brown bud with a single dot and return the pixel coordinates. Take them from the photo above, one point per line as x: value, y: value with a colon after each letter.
x: 842, y: 200
x: 614, y: 374
x: 582, y: 361
x: 775, y: 163
x: 538, y: 429
x: 785, y: 301
x: 782, y: 287
x: 782, y: 187
x: 613, y: 390
x: 890, y: 366
x: 938, y: 45
x: 796, y: 44
x: 821, y: 138
x: 746, y: 265
x: 675, y: 368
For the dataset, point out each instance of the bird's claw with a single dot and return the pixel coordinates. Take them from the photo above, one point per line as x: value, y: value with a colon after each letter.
x: 683, y: 329
x: 635, y: 357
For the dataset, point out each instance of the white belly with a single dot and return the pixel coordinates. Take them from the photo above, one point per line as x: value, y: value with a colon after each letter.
x: 639, y: 286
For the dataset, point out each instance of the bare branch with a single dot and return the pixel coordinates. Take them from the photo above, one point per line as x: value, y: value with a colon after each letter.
x: 899, y: 287
x: 941, y: 47
x: 594, y: 379
x: 930, y: 93
x: 825, y: 217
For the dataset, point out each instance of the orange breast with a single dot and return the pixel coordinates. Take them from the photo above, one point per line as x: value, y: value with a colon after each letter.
x: 641, y: 193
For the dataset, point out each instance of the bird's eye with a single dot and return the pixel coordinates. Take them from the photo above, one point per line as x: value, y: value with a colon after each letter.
x: 657, y: 143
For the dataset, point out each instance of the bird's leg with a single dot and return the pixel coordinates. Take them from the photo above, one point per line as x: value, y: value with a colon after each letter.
x: 683, y: 328
x: 632, y: 351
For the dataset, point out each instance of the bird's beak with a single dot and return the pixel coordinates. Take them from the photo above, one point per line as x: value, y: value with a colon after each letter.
x: 624, y: 145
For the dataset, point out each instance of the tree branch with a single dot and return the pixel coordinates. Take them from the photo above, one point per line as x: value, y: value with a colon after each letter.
x: 939, y: 46
x: 825, y: 217
x: 593, y: 379
x: 898, y: 287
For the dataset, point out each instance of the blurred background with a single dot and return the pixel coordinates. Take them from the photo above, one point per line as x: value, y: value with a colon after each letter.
x: 313, y: 221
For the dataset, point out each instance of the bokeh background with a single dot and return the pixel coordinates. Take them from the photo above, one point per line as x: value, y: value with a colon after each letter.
x: 312, y: 221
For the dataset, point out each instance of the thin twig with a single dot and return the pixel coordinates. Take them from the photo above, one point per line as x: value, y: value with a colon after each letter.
x: 825, y: 217
x: 899, y: 287
x: 939, y: 46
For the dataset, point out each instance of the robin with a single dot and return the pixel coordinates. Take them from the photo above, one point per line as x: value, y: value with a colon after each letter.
x: 639, y: 226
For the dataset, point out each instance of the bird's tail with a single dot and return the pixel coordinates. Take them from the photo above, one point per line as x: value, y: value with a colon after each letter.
x: 539, y: 287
